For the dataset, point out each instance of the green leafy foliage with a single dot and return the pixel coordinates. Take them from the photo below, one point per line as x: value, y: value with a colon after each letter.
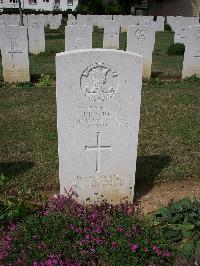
x: 176, y: 49
x: 3, y: 179
x: 167, y: 27
x: 12, y: 210
x: 91, y: 7
x: 26, y: 84
x: 44, y: 80
x: 113, y: 8
x: 180, y: 222
x: 193, y: 80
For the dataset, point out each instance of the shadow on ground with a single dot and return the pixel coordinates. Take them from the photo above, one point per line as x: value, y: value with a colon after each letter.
x: 148, y: 168
x: 156, y: 74
x: 12, y: 169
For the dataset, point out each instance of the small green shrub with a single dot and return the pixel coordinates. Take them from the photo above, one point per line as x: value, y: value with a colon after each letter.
x: 180, y: 223
x: 167, y: 27
x: 12, y: 211
x: 176, y: 49
x: 26, y: 84
x: 3, y: 179
x: 44, y: 80
x: 193, y: 80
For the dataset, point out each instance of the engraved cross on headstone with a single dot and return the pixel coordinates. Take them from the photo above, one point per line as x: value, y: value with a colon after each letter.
x: 98, y: 148
x: 14, y: 50
x: 36, y: 42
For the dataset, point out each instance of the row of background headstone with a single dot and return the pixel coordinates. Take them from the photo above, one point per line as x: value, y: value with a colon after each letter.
x: 54, y: 21
x: 140, y: 38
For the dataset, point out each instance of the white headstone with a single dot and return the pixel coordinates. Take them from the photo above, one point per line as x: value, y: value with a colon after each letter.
x: 78, y: 37
x: 126, y: 21
x: 14, y: 20
x: 191, y: 62
x: 25, y: 20
x: 180, y: 32
x: 98, y: 110
x: 15, y: 59
x: 160, y: 23
x: 171, y: 20
x: 71, y: 17
x: 2, y: 23
x: 49, y: 17
x: 111, y: 35
x: 73, y: 23
x: 55, y: 22
x: 141, y: 40
x: 36, y: 35
x: 181, y: 28
x: 100, y: 19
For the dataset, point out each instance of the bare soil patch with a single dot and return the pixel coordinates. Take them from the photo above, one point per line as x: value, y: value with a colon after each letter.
x: 162, y: 194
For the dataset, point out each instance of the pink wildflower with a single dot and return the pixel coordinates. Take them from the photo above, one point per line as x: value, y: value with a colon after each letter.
x: 87, y: 237
x: 156, y: 249
x: 19, y: 261
x: 120, y: 229
x: 93, y: 250
x: 134, y: 247
x: 12, y: 227
x: 166, y: 253
x: 114, y: 245
x: 129, y: 211
x: 35, y: 263
x: 98, y: 229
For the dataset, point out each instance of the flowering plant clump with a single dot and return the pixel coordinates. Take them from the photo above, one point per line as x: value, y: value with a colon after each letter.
x: 66, y: 232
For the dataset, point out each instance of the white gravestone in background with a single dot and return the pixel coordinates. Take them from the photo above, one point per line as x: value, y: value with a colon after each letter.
x: 78, y: 37
x: 181, y: 28
x: 14, y: 52
x: 36, y: 35
x: 101, y: 19
x: 180, y: 34
x: 141, y: 40
x: 111, y: 35
x: 98, y: 110
x: 160, y: 23
x: 191, y: 62
x: 73, y: 23
x: 54, y: 23
x: 71, y: 17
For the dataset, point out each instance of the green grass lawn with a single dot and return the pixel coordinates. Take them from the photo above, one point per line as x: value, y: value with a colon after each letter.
x: 163, y: 66
x: 168, y: 140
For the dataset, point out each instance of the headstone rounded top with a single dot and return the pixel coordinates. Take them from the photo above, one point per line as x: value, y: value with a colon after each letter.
x: 95, y: 50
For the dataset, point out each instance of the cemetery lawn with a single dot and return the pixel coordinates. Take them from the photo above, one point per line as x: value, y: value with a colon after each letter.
x: 164, y: 66
x: 168, y: 149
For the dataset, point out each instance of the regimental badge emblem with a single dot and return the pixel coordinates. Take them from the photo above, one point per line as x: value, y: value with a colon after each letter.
x: 99, y: 82
x: 36, y: 25
x: 197, y: 34
x: 141, y: 34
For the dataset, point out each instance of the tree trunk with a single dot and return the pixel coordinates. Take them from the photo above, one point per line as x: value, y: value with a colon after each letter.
x: 21, y: 13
